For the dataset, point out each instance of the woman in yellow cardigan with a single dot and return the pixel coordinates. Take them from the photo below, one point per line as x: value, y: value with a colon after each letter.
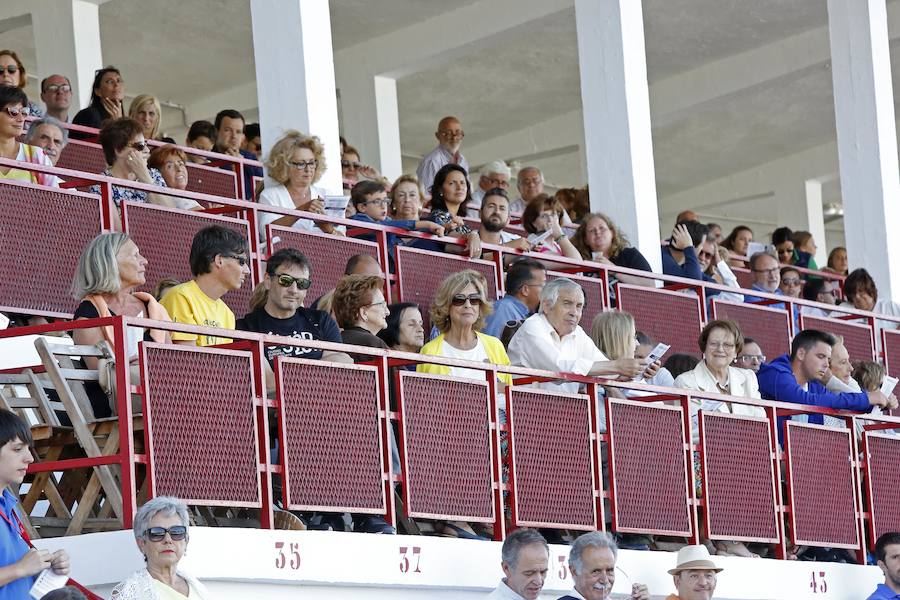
x: 459, y: 310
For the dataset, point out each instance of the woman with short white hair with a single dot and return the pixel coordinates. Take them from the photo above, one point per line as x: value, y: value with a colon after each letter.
x: 161, y: 531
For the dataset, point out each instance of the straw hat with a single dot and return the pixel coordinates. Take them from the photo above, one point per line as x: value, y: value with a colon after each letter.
x: 693, y: 557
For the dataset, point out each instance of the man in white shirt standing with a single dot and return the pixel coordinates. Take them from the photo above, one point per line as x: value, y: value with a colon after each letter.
x: 449, y: 135
x: 553, y: 340
x: 525, y: 560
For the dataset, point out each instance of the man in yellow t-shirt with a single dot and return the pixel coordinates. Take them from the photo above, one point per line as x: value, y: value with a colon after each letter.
x: 219, y: 263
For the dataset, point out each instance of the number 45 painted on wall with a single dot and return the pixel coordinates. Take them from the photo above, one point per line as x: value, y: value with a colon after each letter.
x: 820, y: 586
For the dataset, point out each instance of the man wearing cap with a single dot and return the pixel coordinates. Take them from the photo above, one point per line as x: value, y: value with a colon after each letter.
x: 694, y: 574
x: 592, y: 563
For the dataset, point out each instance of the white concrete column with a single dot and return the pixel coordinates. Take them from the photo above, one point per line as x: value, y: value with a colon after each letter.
x: 370, y: 120
x: 867, y: 139
x: 616, y: 108
x: 798, y: 205
x: 816, y: 219
x: 67, y: 41
x: 295, y: 76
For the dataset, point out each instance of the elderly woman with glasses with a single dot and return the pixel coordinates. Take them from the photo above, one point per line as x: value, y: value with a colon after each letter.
x: 126, y: 152
x: 295, y: 162
x: 161, y: 531
x: 13, y: 110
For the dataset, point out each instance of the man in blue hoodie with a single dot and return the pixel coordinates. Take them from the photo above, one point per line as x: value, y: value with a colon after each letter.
x: 796, y: 378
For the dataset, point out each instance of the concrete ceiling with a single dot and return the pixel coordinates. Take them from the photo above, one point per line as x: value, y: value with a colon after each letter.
x: 185, y: 52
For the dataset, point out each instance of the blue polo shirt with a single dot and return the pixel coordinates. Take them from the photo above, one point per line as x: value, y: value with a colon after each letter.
x: 883, y: 592
x: 507, y: 308
x: 12, y: 548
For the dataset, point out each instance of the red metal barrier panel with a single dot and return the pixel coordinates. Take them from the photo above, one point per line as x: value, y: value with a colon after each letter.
x: 328, y: 254
x: 821, y: 487
x: 446, y: 447
x: 82, y: 156
x: 330, y: 436
x: 201, y: 424
x: 744, y: 277
x: 593, y: 295
x: 648, y: 472
x: 738, y: 478
x: 212, y: 180
x: 42, y: 234
x: 421, y: 272
x: 858, y: 337
x: 552, y: 460
x: 164, y: 237
x: 669, y: 317
x: 892, y: 351
x: 770, y: 327
x: 883, y: 482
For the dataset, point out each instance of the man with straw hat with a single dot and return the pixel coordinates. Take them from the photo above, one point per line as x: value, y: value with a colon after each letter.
x: 694, y: 574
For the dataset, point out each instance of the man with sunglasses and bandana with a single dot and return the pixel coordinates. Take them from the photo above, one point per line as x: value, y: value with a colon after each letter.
x: 286, y: 283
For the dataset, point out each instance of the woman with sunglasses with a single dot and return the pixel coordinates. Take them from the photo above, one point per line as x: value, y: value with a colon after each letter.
x: 126, y: 152
x: 295, y: 163
x: 13, y: 110
x: 161, y: 531
x: 352, y: 169
x: 12, y: 72
x: 458, y: 311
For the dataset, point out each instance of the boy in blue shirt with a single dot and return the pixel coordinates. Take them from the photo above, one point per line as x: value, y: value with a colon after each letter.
x: 371, y: 202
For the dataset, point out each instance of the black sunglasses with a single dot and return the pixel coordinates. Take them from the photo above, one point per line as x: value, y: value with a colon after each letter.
x: 158, y: 534
x: 287, y: 281
x: 461, y: 299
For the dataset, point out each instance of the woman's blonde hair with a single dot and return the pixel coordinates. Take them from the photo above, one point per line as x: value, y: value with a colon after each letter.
x: 453, y: 285
x: 613, y: 333
x: 138, y: 103
x: 97, y: 271
x: 619, y: 242
x: 278, y: 162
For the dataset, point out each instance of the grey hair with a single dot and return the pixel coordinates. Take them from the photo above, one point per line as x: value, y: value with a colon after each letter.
x: 550, y: 293
x: 531, y: 168
x: 47, y: 120
x: 98, y: 270
x: 591, y: 539
x: 166, y: 506
x: 495, y: 166
x: 517, y: 540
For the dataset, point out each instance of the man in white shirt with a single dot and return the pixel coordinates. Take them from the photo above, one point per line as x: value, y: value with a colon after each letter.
x: 592, y: 563
x: 553, y: 340
x: 530, y: 182
x: 495, y: 174
x: 524, y: 559
x: 449, y: 135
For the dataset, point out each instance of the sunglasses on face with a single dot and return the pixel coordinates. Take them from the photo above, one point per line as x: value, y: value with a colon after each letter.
x: 348, y: 163
x: 286, y: 281
x: 23, y: 111
x: 461, y: 299
x: 158, y: 534
x: 11, y: 69
x: 140, y: 146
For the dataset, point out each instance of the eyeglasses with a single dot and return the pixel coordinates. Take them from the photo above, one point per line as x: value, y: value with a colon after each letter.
x: 11, y: 69
x: 705, y: 254
x: 286, y: 281
x: 15, y: 113
x: 242, y: 260
x: 348, y: 163
x: 723, y: 345
x: 461, y: 299
x: 378, y: 202
x: 140, y: 146
x: 791, y: 281
x: 452, y: 134
x: 158, y: 534
x: 304, y: 165
x: 750, y: 358
x: 382, y: 303
x: 65, y: 88
x: 497, y: 183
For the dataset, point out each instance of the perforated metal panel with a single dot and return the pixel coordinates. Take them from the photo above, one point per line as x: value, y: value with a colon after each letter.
x: 744, y: 277
x: 331, y: 437
x: 892, y: 351
x: 739, y: 478
x: 42, y: 234
x: 328, y: 255
x: 201, y: 425
x: 858, y: 338
x: 669, y: 317
x: 821, y: 485
x: 421, y: 273
x: 647, y: 468
x: 446, y: 447
x: 212, y: 180
x: 883, y: 477
x: 164, y: 237
x: 769, y: 327
x: 82, y: 156
x: 552, y: 460
x: 593, y: 296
